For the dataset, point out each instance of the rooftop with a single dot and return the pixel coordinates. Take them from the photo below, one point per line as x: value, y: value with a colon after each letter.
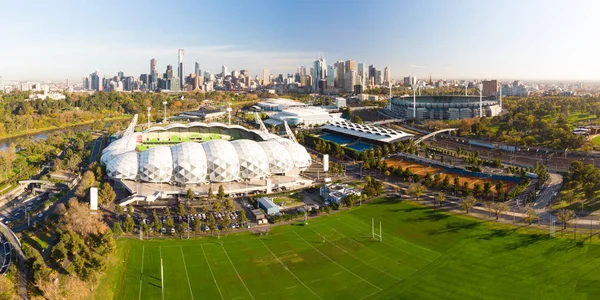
x: 368, y: 132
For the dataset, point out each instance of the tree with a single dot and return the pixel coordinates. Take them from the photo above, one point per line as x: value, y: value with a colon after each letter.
x: 196, y: 224
x: 130, y: 210
x: 217, y: 206
x: 226, y: 221
x: 169, y: 223
x: 145, y: 229
x: 221, y: 193
x: 441, y: 197
x: 487, y: 188
x: 210, y: 194
x: 190, y: 195
x: 212, y: 223
x: 531, y: 215
x: 156, y: 223
x: 565, y: 216
x: 181, y: 228
x: 59, y: 252
x: 467, y: 203
x: 129, y: 224
x: 117, y: 230
x: 181, y: 209
x: 118, y: 210
x: 229, y: 206
x: 106, y: 194
x: 500, y: 190
x: 568, y: 196
x: 477, y: 189
x: 242, y: 219
x: 356, y: 119
x: 498, y: 208
x: 416, y: 190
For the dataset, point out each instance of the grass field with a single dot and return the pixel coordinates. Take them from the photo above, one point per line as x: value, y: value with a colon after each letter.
x: 421, y: 169
x: 425, y: 254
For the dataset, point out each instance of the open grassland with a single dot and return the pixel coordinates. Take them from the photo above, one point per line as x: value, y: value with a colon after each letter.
x: 425, y: 254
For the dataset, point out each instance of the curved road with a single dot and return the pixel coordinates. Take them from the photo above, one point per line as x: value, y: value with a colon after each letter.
x: 23, y: 271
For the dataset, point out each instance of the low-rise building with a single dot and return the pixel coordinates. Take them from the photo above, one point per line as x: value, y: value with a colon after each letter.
x: 267, y: 205
x: 336, y: 192
x: 202, y: 114
x: 306, y: 116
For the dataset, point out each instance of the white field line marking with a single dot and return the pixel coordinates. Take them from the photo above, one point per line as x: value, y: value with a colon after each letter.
x: 141, y: 273
x: 236, y: 272
x: 354, y: 256
x: 402, y: 240
x: 379, y: 254
x: 186, y: 272
x: 335, y: 262
x: 211, y: 272
x: 287, y: 269
x: 396, y: 247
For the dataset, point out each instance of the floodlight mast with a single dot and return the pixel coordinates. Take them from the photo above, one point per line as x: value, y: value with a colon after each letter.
x: 149, y: 116
x: 480, y: 86
x: 414, y: 86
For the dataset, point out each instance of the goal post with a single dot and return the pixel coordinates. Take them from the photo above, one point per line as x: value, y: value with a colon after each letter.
x: 373, y: 233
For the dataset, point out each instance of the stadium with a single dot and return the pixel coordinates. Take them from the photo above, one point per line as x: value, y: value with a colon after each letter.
x: 198, y: 154
x: 443, y: 107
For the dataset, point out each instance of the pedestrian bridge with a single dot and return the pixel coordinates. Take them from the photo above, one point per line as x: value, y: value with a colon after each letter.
x: 44, y: 182
x: 433, y: 134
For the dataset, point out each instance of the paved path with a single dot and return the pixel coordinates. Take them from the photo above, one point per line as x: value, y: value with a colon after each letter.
x: 23, y: 270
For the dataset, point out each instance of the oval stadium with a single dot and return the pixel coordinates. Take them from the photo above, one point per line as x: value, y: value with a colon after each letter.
x: 198, y: 154
x: 444, y: 107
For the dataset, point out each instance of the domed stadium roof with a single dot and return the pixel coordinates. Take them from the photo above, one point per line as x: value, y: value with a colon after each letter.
x: 211, y: 161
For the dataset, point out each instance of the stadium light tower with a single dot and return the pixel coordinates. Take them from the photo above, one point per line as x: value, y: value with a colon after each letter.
x: 229, y: 113
x: 149, y: 116
x: 414, y: 86
x: 480, y: 86
x: 165, y: 106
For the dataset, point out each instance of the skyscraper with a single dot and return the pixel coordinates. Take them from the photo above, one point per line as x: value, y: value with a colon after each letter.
x: 96, y: 83
x: 319, y: 72
x: 330, y: 76
x: 362, y: 74
x: 266, y: 79
x: 387, y: 75
x: 223, y: 71
x: 339, y: 74
x: 153, y: 82
x: 180, y: 71
x: 350, y: 65
x: 197, y: 70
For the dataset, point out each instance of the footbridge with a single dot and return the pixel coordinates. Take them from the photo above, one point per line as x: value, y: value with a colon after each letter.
x: 433, y: 134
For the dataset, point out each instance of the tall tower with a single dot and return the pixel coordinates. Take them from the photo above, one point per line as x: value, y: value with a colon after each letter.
x: 223, y: 71
x: 180, y: 71
x: 153, y: 75
x: 197, y: 69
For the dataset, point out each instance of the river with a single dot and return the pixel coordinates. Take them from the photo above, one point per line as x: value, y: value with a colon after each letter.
x: 40, y: 136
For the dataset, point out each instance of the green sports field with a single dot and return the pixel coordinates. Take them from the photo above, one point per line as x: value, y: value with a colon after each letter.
x: 424, y: 255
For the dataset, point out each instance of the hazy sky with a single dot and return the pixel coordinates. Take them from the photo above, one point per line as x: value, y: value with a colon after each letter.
x: 526, y: 39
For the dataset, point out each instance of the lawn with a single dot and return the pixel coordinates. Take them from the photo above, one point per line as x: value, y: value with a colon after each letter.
x: 596, y: 140
x: 424, y: 255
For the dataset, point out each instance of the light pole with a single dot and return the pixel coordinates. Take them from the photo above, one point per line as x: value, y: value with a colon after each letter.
x: 414, y: 86
x: 149, y: 116
x: 165, y: 110
x: 480, y: 86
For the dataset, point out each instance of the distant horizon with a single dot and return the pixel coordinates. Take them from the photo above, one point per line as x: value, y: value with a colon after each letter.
x: 547, y: 40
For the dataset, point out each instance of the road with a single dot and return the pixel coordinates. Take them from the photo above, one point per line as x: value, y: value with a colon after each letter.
x: 23, y: 270
x: 547, y: 195
x: 96, y: 149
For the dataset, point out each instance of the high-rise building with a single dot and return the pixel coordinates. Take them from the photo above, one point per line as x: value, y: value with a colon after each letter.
x: 266, y: 77
x: 378, y: 77
x: 339, y: 74
x: 350, y: 65
x: 350, y: 80
x: 223, y: 71
x: 490, y: 88
x: 410, y: 80
x: 121, y: 75
x: 180, y: 70
x: 169, y: 72
x: 372, y: 72
x: 330, y: 76
x: 153, y: 81
x: 197, y: 70
x: 320, y: 72
x: 96, y: 81
x: 387, y: 76
x: 362, y: 74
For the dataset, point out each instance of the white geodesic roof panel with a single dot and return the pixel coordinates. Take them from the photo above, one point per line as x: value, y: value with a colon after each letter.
x: 222, y: 161
x: 299, y: 154
x: 123, y: 166
x: 156, y: 164
x: 189, y: 163
x: 280, y: 160
x: 254, y: 162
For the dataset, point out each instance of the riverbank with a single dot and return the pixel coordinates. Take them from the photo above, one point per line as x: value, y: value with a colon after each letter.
x: 51, y: 128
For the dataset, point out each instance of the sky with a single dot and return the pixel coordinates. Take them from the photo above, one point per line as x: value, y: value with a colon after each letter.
x: 461, y: 39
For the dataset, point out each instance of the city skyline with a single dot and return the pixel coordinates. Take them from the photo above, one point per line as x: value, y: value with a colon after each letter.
x: 494, y: 41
